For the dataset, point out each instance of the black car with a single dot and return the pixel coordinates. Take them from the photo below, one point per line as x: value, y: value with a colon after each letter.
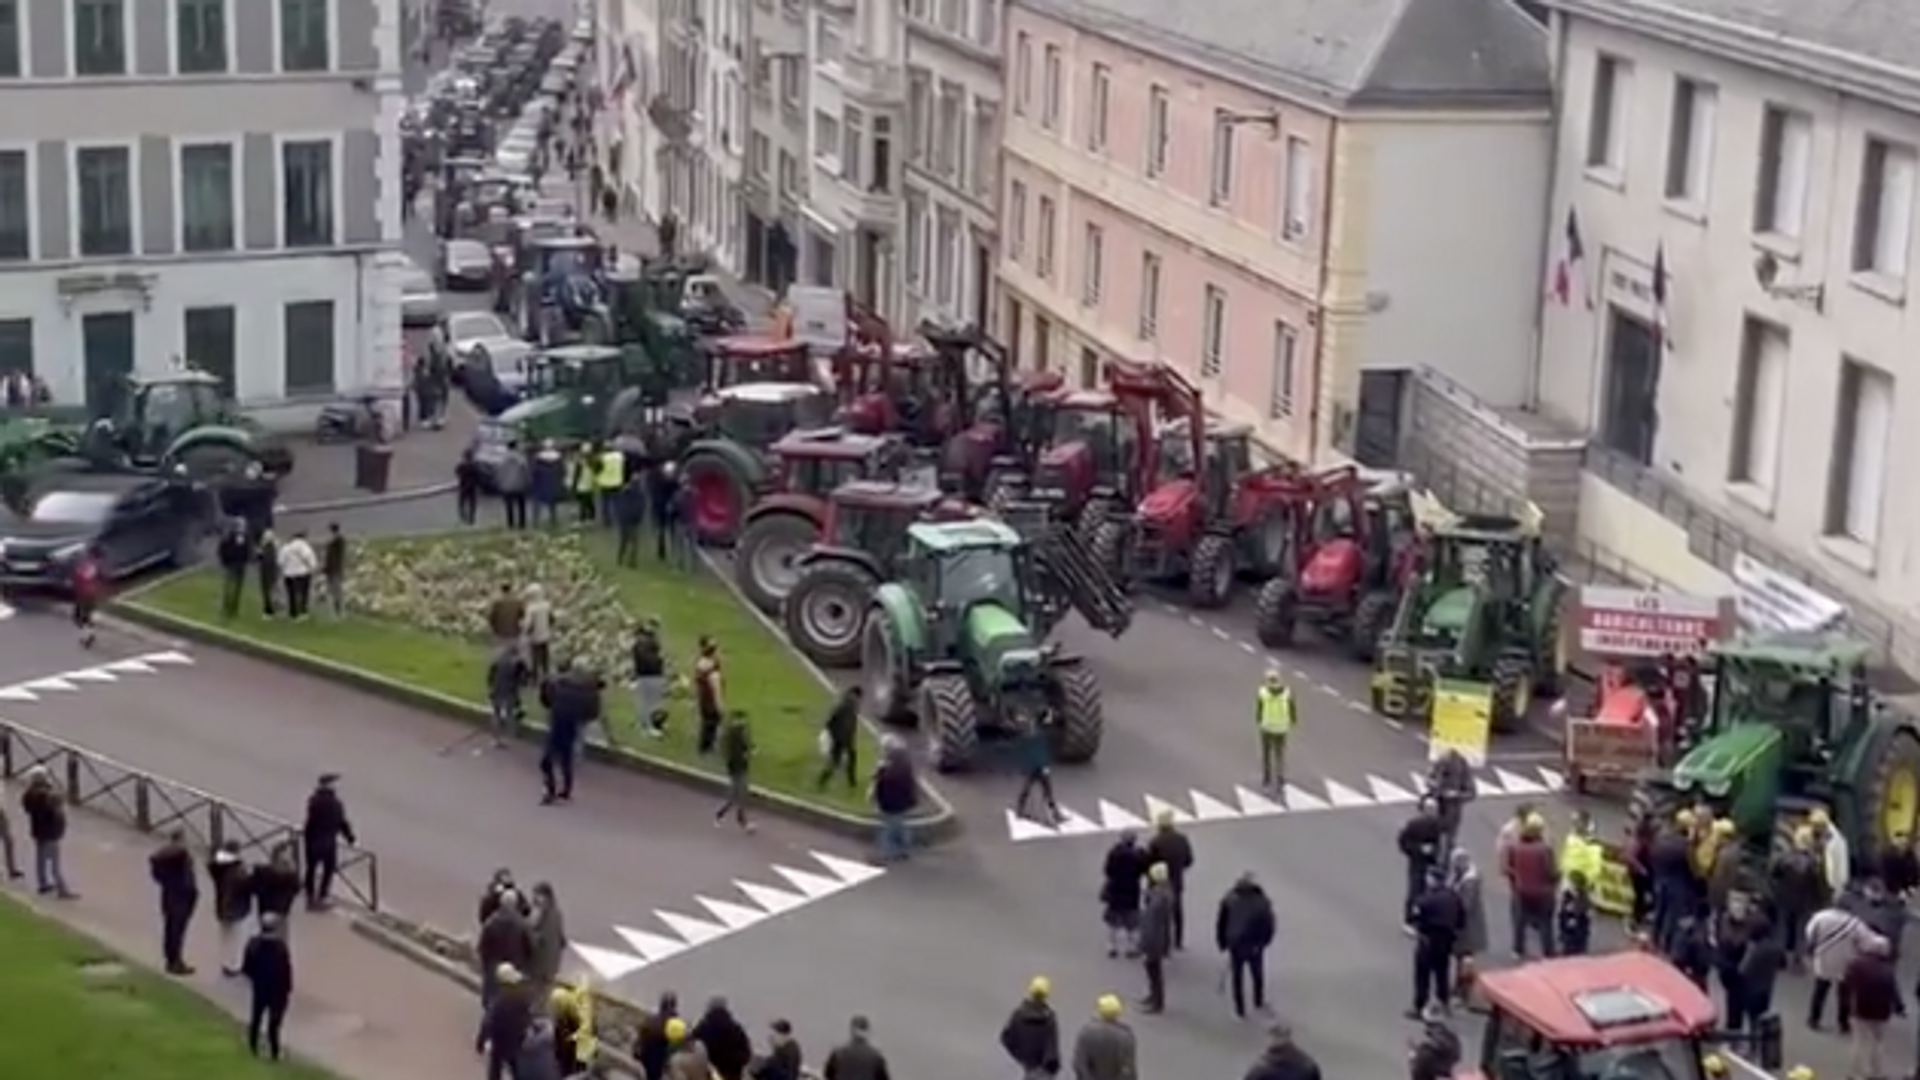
x: 133, y: 521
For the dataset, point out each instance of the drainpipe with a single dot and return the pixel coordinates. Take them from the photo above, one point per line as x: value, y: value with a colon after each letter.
x: 1320, y: 299
x: 1557, y: 29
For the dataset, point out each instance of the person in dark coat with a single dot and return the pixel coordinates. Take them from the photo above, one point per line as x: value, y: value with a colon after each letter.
x: 45, y: 809
x: 267, y: 965
x: 234, y: 554
x: 1797, y: 888
x: 1283, y: 1059
x: 466, y: 487
x: 277, y: 885
x: 1573, y: 916
x: 1436, y: 1055
x: 843, y: 723
x: 1156, y: 936
x: 232, y: 881
x: 784, y: 1060
x: 506, y: 678
x: 1421, y: 840
x: 629, y: 517
x: 508, y: 1019
x: 1244, y: 929
x: 664, y: 492
x: 1871, y: 988
x: 266, y: 564
x: 857, y: 1058
x: 1120, y: 890
x: 1900, y: 867
x: 1438, y: 919
x: 649, y: 663
x: 505, y: 942
x: 1031, y: 1036
x: 171, y: 868
x: 1676, y: 891
x: 729, y: 1048
x: 1760, y: 967
x: 326, y: 826
x: 736, y: 756
x: 1170, y: 848
x: 651, y: 1046
x: 547, y: 482
x: 573, y: 701
x: 333, y: 569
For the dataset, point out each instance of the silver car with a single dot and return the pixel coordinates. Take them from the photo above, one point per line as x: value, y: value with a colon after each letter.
x: 466, y: 264
x: 420, y: 302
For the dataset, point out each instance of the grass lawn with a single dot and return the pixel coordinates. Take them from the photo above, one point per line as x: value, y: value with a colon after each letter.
x: 416, y: 610
x: 74, y: 1008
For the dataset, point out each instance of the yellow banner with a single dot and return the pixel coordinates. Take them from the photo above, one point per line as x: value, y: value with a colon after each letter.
x: 1462, y: 719
x: 1613, y: 893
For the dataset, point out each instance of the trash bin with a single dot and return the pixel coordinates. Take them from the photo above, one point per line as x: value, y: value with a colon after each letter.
x: 372, y: 467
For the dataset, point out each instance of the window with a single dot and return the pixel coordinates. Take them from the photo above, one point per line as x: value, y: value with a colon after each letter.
x: 1159, y: 114
x: 790, y: 75
x: 986, y: 147
x: 916, y: 240
x: 946, y: 256
x: 1043, y: 254
x: 206, y: 197
x: 1220, y: 176
x: 1097, y: 101
x: 1759, y: 399
x: 1863, y: 426
x: 985, y: 30
x: 1022, y: 73
x: 947, y: 144
x: 853, y: 132
x: 1786, y: 149
x: 1296, y: 205
x: 1093, y: 249
x: 1149, y: 296
x: 1606, y: 120
x: 1690, y: 141
x: 199, y: 36
x: 1286, y: 344
x: 16, y: 205
x: 919, y: 115
x: 790, y: 174
x: 305, y: 40
x: 99, y: 37
x: 1883, y: 220
x: 759, y: 154
x: 306, y: 194
x: 826, y: 139
x: 953, y: 16
x: 1016, y: 220
x: 832, y: 47
x: 211, y: 343
x: 308, y: 347
x: 1051, y: 91
x: 880, y: 177
x: 1213, y: 331
x: 16, y: 345
x: 103, y: 184
x: 13, y: 59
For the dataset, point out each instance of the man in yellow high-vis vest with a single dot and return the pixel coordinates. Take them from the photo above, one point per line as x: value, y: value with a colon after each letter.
x: 610, y: 475
x: 1273, y: 715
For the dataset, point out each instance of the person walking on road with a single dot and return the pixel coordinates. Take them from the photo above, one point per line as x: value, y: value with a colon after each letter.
x: 232, y: 882
x: 171, y: 868
x: 1437, y: 920
x: 326, y: 825
x: 466, y: 487
x: 857, y: 1058
x: 1105, y: 1048
x: 1034, y: 750
x: 268, y: 967
x: 736, y: 755
x: 1273, y: 716
x: 1243, y: 930
x: 1156, y: 936
x: 572, y: 703
x: 298, y: 563
x: 894, y: 792
x: 1031, y: 1036
x: 837, y: 740
x: 45, y: 808
x: 1170, y: 848
x: 333, y: 569
x: 506, y: 677
x: 89, y: 583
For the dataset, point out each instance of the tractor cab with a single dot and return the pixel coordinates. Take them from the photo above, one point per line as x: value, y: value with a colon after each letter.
x: 1089, y: 444
x: 739, y: 359
x: 756, y: 415
x: 594, y: 371
x: 954, y: 566
x: 155, y: 412
x: 817, y: 461
x: 872, y: 516
x: 1624, y: 1016
x: 566, y: 256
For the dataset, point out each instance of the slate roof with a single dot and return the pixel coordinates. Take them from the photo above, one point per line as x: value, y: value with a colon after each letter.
x: 1343, y: 53
x: 1887, y: 31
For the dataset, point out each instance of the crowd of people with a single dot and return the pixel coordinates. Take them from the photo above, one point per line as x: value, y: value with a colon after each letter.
x: 284, y: 571
x: 621, y: 485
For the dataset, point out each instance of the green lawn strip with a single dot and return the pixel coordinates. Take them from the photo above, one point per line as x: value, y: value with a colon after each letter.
x: 783, y: 700
x: 75, y: 1008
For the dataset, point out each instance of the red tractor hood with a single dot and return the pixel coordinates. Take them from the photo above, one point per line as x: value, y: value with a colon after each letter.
x: 1333, y: 567
x: 868, y: 414
x: 1169, y: 501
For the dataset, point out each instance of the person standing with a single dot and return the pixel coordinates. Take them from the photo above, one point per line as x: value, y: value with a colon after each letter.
x: 564, y: 694
x: 333, y: 569
x: 232, y: 882
x: 547, y: 934
x: 326, y: 825
x: 1156, y: 937
x: 836, y: 740
x: 506, y: 616
x: 1244, y: 929
x: 466, y: 487
x: 729, y: 1047
x: 536, y: 630
x: 504, y: 944
x: 609, y: 476
x: 1170, y: 848
x: 1284, y: 1059
x: 1436, y: 919
x: 89, y: 582
x: 707, y: 694
x: 1273, y: 715
x: 511, y: 477
x: 268, y: 967
x: 46, y: 812
x: 547, y: 482
x: 1871, y: 988
x: 1533, y: 880
x: 649, y: 677
x: 234, y: 553
x: 1464, y: 876
x: 857, y: 1058
x: 1031, y: 1035
x: 1034, y: 751
x: 736, y: 756
x: 1834, y: 937
x: 266, y: 563
x: 506, y: 676
x: 628, y: 513
x: 8, y: 853
x: 277, y: 885
x: 297, y: 566
x: 1121, y: 875
x: 894, y: 792
x: 583, y: 481
x: 171, y: 868
x: 1105, y: 1048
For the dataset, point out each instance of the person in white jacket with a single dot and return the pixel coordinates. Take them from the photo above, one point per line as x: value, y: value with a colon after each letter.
x: 298, y: 564
x: 1834, y: 937
x: 536, y: 628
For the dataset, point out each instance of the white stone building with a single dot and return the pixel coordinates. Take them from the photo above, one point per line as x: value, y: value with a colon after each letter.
x: 856, y: 94
x: 951, y: 213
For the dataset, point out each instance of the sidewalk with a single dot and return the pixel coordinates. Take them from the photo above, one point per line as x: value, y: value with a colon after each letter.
x: 358, y: 1009
x: 636, y: 233
x: 423, y: 461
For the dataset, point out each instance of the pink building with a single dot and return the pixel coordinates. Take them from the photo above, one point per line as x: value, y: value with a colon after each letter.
x: 1295, y: 215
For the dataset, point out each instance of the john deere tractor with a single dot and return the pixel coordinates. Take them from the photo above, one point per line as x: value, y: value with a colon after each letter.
x: 1483, y: 607
x: 1792, y: 725
x: 959, y: 640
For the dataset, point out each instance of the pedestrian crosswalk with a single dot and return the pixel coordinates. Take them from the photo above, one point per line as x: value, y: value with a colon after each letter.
x: 1307, y: 797
x: 67, y: 682
x: 670, y: 933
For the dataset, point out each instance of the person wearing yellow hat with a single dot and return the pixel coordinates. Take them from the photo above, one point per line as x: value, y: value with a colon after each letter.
x: 1031, y: 1036
x: 1713, y: 1066
x: 1800, y: 1072
x: 661, y: 1031
x: 1170, y: 848
x: 1273, y: 716
x: 1105, y: 1048
x: 1156, y: 935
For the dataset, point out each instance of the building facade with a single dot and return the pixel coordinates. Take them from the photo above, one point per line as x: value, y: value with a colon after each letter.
x: 776, y: 179
x: 851, y: 217
x: 1297, y: 208
x: 209, y: 182
x: 951, y: 210
x: 1743, y: 196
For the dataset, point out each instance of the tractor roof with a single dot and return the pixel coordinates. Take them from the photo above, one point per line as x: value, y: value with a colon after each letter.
x: 828, y: 444
x: 182, y: 377
x: 1815, y: 652
x: 1090, y: 400
x: 1619, y: 998
x: 959, y: 535
x: 768, y: 393
x: 580, y: 354
x: 577, y: 243
x: 751, y: 346
x: 884, y: 493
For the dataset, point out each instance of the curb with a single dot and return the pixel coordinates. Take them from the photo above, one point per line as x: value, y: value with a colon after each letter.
x: 927, y: 830
x: 356, y: 502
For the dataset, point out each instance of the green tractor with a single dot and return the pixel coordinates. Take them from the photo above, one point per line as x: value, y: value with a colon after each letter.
x: 959, y: 641
x: 1484, y: 607
x: 579, y: 393
x: 1792, y: 725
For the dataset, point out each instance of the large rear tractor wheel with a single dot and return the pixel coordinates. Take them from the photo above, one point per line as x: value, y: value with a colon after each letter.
x: 951, y: 720
x: 886, y: 672
x: 1372, y: 618
x: 718, y: 498
x: 1512, y: 693
x: 765, y: 560
x: 1210, y: 575
x: 1276, y: 613
x: 1080, y: 721
x: 1108, y: 548
x: 1093, y: 517
x: 826, y: 611
x: 1889, y: 807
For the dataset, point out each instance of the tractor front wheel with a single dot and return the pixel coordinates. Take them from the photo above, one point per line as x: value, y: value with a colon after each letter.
x: 718, y: 498
x: 1108, y: 548
x: 1512, y: 693
x: 950, y: 717
x: 1210, y: 573
x: 827, y: 610
x: 1079, y: 719
x: 1890, y: 800
x: 1276, y: 613
x: 1372, y: 618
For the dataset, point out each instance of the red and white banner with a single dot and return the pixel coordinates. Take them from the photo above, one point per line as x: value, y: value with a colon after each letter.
x: 1632, y: 622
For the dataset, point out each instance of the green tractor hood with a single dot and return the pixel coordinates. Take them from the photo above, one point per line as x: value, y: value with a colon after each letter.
x: 1449, y: 612
x: 1002, y: 645
x: 1737, y: 769
x: 541, y: 417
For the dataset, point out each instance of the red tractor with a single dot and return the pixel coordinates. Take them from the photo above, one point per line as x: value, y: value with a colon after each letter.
x: 1353, y: 551
x: 787, y: 519
x: 1205, y: 513
x: 739, y: 359
x: 724, y: 455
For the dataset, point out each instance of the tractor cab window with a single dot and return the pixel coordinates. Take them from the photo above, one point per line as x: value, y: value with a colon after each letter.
x: 167, y: 410
x: 1230, y: 454
x: 880, y: 529
x: 761, y: 422
x: 555, y: 377
x: 1176, y: 453
x: 819, y: 475
x: 972, y: 575
x: 1335, y: 518
x: 1672, y: 1058
x: 1109, y: 440
x: 1760, y: 692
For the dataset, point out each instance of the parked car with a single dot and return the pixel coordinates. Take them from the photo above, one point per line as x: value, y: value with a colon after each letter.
x: 420, y: 301
x: 134, y: 520
x: 466, y: 263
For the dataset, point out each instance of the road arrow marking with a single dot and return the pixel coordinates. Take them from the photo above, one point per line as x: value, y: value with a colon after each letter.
x: 810, y: 884
x: 1298, y: 798
x: 606, y: 963
x: 17, y: 693
x: 51, y: 682
x: 652, y: 946
x: 1208, y: 808
x: 1158, y: 808
x: 1022, y: 829
x: 1553, y: 780
x: 1117, y: 818
x: 1343, y: 796
x: 1253, y: 804
x: 853, y: 873
x: 774, y: 900
x: 733, y: 916
x: 1072, y: 824
x: 696, y: 931
x: 93, y: 674
x: 1387, y: 793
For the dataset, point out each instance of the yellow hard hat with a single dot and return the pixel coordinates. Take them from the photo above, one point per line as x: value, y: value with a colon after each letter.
x: 676, y: 1030
x: 1107, y: 1007
x: 1819, y: 816
x: 1039, y: 986
x: 1800, y: 1072
x: 1157, y: 873
x: 1803, y: 837
x: 1723, y: 827
x: 1713, y: 1065
x: 1684, y: 818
